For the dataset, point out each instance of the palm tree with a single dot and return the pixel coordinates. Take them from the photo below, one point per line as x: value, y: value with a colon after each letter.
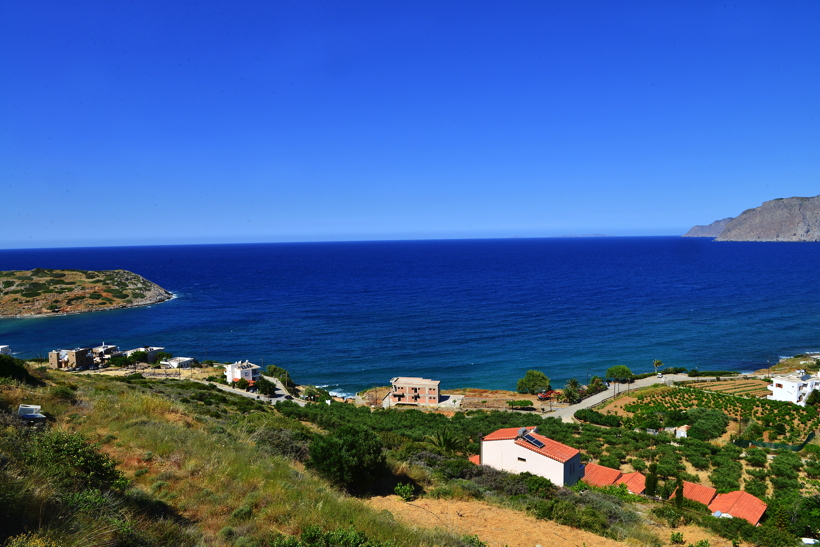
x: 446, y: 442
x: 657, y: 363
x: 573, y: 383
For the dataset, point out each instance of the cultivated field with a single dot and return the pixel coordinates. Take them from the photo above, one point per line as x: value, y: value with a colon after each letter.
x: 749, y: 388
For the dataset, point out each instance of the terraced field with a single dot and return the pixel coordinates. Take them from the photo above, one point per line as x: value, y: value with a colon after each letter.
x: 749, y: 388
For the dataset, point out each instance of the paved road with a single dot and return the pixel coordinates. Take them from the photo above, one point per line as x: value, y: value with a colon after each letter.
x: 566, y: 413
x: 279, y: 395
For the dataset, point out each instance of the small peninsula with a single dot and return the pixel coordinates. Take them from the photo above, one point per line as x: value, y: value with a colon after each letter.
x: 41, y: 292
x: 781, y: 219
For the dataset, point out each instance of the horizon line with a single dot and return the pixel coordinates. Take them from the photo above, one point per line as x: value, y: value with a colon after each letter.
x: 399, y: 240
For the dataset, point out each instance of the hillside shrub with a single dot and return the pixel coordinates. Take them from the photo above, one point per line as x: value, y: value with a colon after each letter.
x: 350, y: 457
x: 597, y: 418
x: 15, y: 369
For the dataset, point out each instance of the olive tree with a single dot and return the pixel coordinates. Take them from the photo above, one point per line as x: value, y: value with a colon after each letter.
x: 534, y: 381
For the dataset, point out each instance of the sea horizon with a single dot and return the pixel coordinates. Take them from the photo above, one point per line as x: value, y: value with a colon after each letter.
x: 469, y: 312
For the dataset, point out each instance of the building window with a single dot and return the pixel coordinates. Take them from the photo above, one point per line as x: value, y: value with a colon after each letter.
x: 778, y: 385
x: 521, y: 459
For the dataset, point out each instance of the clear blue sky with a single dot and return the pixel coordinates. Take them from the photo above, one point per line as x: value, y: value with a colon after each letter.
x: 171, y: 122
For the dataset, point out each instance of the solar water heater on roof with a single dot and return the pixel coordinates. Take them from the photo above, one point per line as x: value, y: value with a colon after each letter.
x: 533, y: 441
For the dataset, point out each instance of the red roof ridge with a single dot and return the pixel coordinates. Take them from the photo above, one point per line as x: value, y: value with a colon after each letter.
x: 696, y: 492
x: 635, y: 482
x: 740, y: 504
x: 506, y: 433
x: 599, y: 475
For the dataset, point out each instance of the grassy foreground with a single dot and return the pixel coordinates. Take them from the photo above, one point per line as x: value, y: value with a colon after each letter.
x: 186, y: 474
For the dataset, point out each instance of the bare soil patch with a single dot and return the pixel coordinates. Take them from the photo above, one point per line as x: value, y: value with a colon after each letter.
x: 494, y: 525
x: 499, y: 527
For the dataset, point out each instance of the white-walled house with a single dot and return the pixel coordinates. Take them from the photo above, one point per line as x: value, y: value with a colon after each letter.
x: 794, y: 388
x: 150, y: 353
x: 178, y: 362
x: 5, y: 350
x: 519, y: 450
x: 242, y: 370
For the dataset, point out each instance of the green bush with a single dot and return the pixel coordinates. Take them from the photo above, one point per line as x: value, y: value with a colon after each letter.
x: 405, y: 491
x: 73, y: 463
x: 15, y: 369
x: 242, y: 513
x: 350, y: 457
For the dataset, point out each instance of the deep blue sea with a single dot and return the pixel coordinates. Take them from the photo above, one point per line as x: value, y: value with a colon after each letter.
x: 476, y: 313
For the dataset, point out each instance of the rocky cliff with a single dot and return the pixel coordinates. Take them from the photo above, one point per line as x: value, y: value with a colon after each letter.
x: 710, y: 230
x: 783, y: 219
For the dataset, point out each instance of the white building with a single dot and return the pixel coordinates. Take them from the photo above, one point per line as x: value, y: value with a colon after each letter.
x: 517, y: 450
x: 104, y: 352
x: 242, y: 370
x: 794, y: 388
x: 150, y: 351
x: 178, y: 362
x: 5, y: 350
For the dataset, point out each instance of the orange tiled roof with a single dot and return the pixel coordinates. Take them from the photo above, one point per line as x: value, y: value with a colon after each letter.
x: 476, y: 459
x: 598, y: 475
x: 635, y: 482
x: 552, y: 449
x: 740, y: 505
x: 505, y: 434
x: 696, y: 492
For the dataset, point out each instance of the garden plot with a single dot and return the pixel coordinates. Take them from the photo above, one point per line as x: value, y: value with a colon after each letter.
x: 746, y: 388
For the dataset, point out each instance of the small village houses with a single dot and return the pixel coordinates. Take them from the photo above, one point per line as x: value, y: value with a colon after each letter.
x: 70, y: 358
x: 150, y: 351
x: 600, y: 476
x: 794, y: 388
x: 413, y: 391
x: 735, y: 504
x: 242, y: 370
x: 519, y: 450
x: 5, y: 350
x: 178, y: 362
x: 104, y: 352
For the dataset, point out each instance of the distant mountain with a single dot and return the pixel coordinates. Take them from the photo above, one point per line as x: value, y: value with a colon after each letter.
x: 783, y: 219
x: 710, y: 230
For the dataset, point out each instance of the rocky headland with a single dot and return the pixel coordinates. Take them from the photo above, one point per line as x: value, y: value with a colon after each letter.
x: 40, y: 292
x: 708, y: 230
x: 782, y: 219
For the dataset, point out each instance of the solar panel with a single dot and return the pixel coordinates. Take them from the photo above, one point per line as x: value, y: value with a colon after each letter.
x: 533, y: 441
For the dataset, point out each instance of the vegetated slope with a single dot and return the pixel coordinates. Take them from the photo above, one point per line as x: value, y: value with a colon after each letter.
x: 45, y: 292
x: 708, y: 230
x: 128, y: 461
x: 783, y: 219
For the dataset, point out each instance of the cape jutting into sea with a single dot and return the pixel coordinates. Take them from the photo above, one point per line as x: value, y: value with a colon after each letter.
x: 476, y: 313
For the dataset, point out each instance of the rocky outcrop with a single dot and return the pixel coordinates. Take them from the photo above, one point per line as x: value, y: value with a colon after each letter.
x: 783, y: 219
x: 49, y: 292
x: 708, y: 230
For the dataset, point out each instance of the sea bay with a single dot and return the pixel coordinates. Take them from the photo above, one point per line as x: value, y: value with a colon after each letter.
x: 479, y: 313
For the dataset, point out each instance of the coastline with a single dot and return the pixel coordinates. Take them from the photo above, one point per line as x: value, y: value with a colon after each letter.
x: 93, y: 310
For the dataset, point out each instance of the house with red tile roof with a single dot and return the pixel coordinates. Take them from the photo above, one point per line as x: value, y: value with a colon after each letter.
x: 696, y: 492
x: 519, y: 450
x: 740, y: 505
x: 598, y: 475
x: 635, y: 482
